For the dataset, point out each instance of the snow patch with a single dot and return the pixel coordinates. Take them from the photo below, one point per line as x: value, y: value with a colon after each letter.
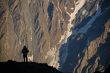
x: 72, y: 8
x: 84, y: 12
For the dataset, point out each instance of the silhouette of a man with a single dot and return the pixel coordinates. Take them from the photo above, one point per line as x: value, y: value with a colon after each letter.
x: 25, y: 52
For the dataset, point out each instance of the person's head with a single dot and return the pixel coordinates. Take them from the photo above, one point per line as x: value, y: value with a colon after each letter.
x: 24, y: 47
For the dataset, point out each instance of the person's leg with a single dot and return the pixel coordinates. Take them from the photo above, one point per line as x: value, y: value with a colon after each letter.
x: 26, y: 59
x: 24, y: 56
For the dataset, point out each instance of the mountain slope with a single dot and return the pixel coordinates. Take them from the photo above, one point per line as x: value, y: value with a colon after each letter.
x: 71, y: 35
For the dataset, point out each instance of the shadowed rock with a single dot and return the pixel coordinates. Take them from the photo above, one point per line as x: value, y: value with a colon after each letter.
x: 26, y: 67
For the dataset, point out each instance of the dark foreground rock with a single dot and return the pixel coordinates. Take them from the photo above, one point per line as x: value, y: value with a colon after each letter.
x: 26, y: 67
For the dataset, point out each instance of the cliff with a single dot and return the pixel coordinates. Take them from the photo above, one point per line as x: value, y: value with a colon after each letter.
x: 71, y: 35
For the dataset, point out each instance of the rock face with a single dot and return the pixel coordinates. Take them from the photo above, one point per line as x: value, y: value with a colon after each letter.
x: 71, y: 35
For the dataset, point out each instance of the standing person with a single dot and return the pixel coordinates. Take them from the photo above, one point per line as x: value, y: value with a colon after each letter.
x: 25, y: 52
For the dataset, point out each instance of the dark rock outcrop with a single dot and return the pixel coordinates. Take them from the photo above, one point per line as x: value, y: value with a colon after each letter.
x: 26, y: 67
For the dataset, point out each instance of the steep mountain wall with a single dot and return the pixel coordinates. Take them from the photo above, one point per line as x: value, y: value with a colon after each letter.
x: 71, y: 35
x: 34, y: 23
x: 87, y: 48
x: 38, y: 24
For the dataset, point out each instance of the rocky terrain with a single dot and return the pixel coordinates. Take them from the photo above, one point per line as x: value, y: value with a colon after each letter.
x: 71, y: 35
x: 29, y: 67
